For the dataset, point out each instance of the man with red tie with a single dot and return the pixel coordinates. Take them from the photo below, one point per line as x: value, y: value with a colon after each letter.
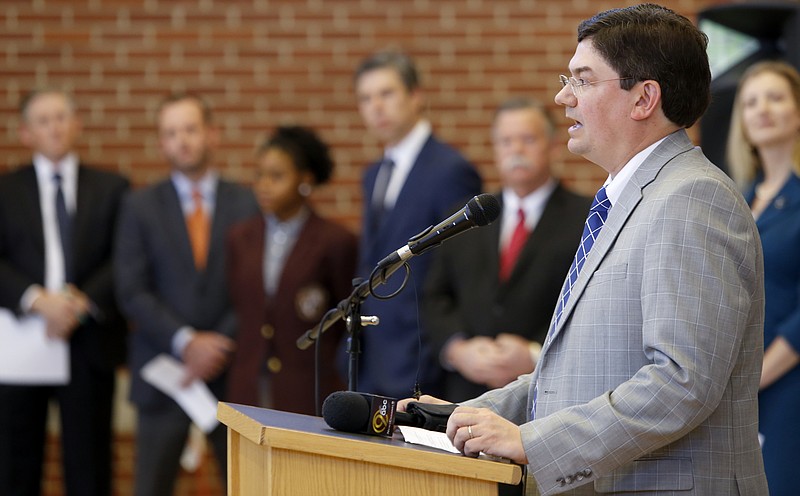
x: 491, y: 292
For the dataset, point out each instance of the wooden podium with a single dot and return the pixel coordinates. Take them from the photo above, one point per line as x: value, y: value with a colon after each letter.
x: 273, y: 453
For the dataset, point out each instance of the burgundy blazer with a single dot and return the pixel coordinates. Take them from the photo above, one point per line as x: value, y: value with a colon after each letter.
x: 318, y: 274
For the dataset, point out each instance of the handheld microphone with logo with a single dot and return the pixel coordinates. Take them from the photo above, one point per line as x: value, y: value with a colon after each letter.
x: 365, y: 413
x: 480, y: 211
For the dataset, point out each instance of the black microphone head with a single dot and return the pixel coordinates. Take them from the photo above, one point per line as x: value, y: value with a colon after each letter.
x: 346, y: 411
x: 483, y: 209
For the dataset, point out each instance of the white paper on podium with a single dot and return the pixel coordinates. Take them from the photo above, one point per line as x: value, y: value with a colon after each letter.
x: 166, y: 374
x: 27, y: 355
x: 438, y: 440
x: 431, y: 439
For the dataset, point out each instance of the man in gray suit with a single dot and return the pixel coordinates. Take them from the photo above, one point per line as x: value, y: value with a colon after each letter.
x: 169, y: 267
x: 648, y: 378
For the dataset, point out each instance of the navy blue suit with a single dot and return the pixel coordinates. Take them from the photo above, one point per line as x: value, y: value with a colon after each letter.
x: 779, y: 404
x: 439, y: 179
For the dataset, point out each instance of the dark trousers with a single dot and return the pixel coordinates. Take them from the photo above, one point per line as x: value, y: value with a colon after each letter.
x: 85, y: 407
x: 160, y: 438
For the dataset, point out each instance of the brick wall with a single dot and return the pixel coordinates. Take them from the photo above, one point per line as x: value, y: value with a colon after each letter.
x: 263, y: 63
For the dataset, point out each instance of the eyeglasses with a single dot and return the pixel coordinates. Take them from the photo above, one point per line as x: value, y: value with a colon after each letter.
x: 577, y: 84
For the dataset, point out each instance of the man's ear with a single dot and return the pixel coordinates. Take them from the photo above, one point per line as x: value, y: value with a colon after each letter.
x: 648, y: 100
x: 25, y: 135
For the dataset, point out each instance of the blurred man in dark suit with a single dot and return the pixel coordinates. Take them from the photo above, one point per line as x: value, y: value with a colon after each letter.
x: 57, y: 220
x: 491, y: 292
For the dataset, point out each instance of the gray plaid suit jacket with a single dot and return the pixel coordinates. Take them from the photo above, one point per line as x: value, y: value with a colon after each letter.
x: 649, y: 382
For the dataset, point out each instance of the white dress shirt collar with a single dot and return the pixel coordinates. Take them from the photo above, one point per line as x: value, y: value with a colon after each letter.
x: 207, y: 186
x: 404, y: 155
x: 67, y: 167
x: 532, y: 204
x: 614, y: 185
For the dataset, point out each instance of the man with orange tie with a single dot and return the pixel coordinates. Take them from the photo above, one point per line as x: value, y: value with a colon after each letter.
x: 490, y: 292
x: 170, y: 279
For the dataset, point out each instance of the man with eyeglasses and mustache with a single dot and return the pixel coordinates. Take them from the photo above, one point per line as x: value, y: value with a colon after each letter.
x: 488, y: 321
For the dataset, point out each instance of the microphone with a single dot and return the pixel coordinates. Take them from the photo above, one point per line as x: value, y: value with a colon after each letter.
x: 365, y: 413
x: 480, y: 211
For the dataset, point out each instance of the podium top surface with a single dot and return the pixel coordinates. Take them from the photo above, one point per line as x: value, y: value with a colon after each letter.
x: 291, y: 431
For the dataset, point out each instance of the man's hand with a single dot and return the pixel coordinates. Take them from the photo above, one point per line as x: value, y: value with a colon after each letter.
x: 472, y: 430
x: 513, y: 360
x: 207, y: 355
x: 492, y: 362
x: 63, y: 311
x: 474, y: 358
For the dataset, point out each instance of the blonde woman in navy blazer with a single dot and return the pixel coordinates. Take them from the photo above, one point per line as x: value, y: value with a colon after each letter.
x: 764, y: 154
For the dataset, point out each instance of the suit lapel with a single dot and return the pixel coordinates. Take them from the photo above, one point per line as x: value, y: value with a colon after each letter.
x: 175, y: 222
x: 673, y: 145
x: 85, y: 202
x: 222, y: 212
x: 544, y: 228
x: 787, y: 198
x: 31, y: 209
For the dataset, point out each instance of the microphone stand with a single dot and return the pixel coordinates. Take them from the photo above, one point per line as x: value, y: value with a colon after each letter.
x: 349, y: 309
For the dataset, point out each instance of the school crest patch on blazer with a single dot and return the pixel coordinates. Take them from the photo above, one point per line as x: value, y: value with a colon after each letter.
x: 311, y: 302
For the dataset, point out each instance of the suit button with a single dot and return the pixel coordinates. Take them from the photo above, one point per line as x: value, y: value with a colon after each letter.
x: 274, y: 365
x: 267, y: 331
x: 561, y: 482
x: 587, y: 472
x: 568, y: 479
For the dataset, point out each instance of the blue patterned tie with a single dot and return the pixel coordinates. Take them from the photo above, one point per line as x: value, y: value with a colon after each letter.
x: 598, y: 214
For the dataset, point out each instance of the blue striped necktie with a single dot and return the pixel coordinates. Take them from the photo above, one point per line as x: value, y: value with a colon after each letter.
x: 598, y: 214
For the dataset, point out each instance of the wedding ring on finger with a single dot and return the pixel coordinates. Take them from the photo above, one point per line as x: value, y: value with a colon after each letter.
x: 469, y: 431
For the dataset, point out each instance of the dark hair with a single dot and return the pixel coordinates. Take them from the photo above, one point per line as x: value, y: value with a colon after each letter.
x: 400, y: 62
x: 201, y: 102
x: 649, y: 41
x: 28, y: 98
x: 524, y: 103
x: 307, y: 151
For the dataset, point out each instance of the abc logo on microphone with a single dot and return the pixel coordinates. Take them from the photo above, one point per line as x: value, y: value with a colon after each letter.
x: 382, y: 414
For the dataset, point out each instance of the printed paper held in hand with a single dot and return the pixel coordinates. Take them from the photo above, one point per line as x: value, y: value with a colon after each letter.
x: 432, y: 439
x: 166, y: 373
x: 27, y: 355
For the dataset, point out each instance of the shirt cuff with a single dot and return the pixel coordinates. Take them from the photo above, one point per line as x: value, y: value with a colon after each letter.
x: 535, y: 350
x: 181, y: 340
x: 29, y: 296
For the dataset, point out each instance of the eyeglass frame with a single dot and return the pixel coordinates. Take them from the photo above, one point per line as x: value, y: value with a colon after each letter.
x: 575, y: 86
